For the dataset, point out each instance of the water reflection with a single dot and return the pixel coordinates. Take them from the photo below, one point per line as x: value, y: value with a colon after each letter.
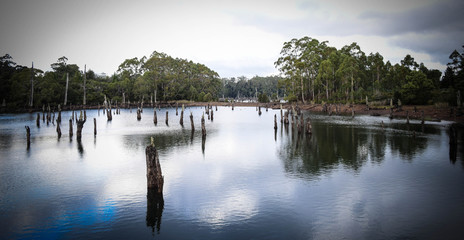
x: 351, y: 146
x: 80, y: 147
x: 155, y: 207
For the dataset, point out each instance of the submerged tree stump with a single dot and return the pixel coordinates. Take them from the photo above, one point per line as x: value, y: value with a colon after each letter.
x: 94, y: 126
x: 286, y: 118
x: 212, y: 115
x: 203, y: 128
x: 37, y: 122
x: 80, y: 124
x: 177, y: 105
x: 109, y: 115
x: 191, y: 122
x: 58, y: 129
x: 155, y: 179
x: 275, y: 121
x: 167, y: 119
x: 70, y: 128
x: 28, y: 136
x: 259, y: 110
x: 139, y: 116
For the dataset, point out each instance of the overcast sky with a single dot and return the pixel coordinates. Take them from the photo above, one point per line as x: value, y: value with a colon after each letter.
x: 234, y: 38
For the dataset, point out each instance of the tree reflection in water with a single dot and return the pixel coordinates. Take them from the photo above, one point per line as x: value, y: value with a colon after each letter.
x: 349, y: 145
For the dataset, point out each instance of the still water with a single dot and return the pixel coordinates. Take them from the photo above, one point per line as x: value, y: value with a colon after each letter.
x: 352, y: 179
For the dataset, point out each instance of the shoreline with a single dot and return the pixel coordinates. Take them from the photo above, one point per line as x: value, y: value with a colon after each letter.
x: 431, y: 112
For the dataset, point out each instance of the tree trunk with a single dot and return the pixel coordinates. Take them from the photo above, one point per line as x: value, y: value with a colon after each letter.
x: 155, y: 179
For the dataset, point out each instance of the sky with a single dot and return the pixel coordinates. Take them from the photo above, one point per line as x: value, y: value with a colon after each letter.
x: 232, y: 37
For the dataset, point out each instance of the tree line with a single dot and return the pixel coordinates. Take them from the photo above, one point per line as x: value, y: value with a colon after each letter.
x: 156, y: 78
x: 310, y: 71
x: 313, y: 71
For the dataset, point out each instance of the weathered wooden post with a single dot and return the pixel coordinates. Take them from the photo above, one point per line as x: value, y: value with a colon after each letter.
x: 58, y: 129
x: 275, y: 121
x: 155, y: 118
x: 37, y: 122
x: 28, y: 136
x: 203, y: 128
x: 94, y: 126
x: 155, y: 179
x: 191, y: 122
x: 80, y: 124
x: 70, y: 128
x: 139, y: 116
x: 167, y: 119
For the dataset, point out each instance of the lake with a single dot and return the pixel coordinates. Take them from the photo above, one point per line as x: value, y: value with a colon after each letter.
x: 350, y: 179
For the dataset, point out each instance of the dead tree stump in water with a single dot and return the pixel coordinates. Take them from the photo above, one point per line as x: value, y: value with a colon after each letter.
x: 109, y: 114
x: 94, y: 126
x: 37, y: 122
x: 286, y: 117
x: 203, y: 128
x: 70, y: 128
x: 167, y: 119
x: 259, y: 110
x: 155, y: 179
x: 139, y: 116
x: 176, y: 109
x: 80, y: 124
x: 58, y: 129
x: 275, y: 121
x: 212, y: 115
x: 191, y: 122
x: 28, y: 136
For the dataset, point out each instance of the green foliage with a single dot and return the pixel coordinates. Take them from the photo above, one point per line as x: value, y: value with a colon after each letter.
x: 263, y: 98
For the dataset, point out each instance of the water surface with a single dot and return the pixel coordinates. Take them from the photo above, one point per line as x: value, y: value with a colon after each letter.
x: 351, y: 178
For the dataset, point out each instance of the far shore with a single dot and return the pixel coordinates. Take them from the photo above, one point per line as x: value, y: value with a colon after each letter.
x: 431, y: 112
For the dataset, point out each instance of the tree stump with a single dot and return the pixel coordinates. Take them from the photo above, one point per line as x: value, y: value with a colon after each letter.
x: 407, y: 117
x: 70, y: 128
x: 176, y: 109
x: 275, y: 121
x: 212, y: 115
x: 203, y: 128
x: 80, y: 124
x: 167, y: 119
x: 155, y: 179
x: 286, y: 117
x: 28, y: 136
x: 58, y: 129
x: 181, y: 121
x: 37, y: 122
x: 191, y: 122
x: 94, y: 126
x: 109, y: 114
x: 139, y: 116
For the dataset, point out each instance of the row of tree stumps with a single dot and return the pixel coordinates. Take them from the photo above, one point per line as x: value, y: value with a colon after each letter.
x: 298, y: 122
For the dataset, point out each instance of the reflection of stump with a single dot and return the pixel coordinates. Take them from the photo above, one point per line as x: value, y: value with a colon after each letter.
x: 155, y: 179
x: 453, y: 143
x: 309, y: 128
x: 155, y: 206
x: 28, y: 136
